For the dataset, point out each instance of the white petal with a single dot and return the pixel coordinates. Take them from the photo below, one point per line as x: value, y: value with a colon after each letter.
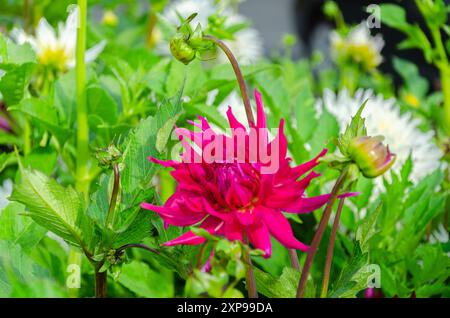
x: 45, y: 35
x: 94, y: 51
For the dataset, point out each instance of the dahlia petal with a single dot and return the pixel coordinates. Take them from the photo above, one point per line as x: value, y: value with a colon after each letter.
x: 306, y: 205
x: 279, y: 144
x: 234, y: 123
x: 304, y: 167
x: 245, y: 217
x: 164, y: 163
x: 233, y: 230
x: 211, y: 224
x: 188, y: 238
x: 206, y: 268
x: 260, y: 114
x: 280, y: 228
x: 204, y: 123
x: 172, y: 216
x: 259, y: 236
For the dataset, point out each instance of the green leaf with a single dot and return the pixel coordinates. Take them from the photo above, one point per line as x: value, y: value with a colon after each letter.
x: 146, y: 282
x: 394, y: 16
x: 43, y: 112
x: 18, y: 228
x: 284, y: 286
x: 6, y: 159
x: 353, y: 277
x: 64, y: 98
x: 14, y: 83
x: 101, y: 104
x: 326, y: 131
x: 58, y: 209
x: 168, y: 114
x: 42, y: 159
x: 99, y: 203
x: 15, y: 54
x: 355, y: 129
x: 429, y: 266
x: 367, y: 229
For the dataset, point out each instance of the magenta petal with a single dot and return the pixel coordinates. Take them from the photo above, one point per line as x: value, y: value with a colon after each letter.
x: 211, y: 224
x: 164, y: 163
x: 280, y: 228
x: 260, y: 114
x: 234, y: 123
x: 188, y: 238
x: 304, y: 167
x: 206, y: 268
x: 259, y: 236
x: 172, y: 216
x: 306, y: 205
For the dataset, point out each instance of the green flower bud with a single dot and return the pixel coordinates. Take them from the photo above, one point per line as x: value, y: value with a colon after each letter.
x: 181, y: 50
x: 108, y: 156
x: 331, y: 9
x: 372, y: 157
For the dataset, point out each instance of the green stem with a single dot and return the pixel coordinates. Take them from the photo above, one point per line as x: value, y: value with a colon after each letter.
x: 445, y: 81
x: 319, y: 234
x: 101, y: 282
x: 249, y: 275
x: 82, y: 151
x: 111, y: 217
x: 200, y: 254
x: 349, y: 78
x: 239, y: 76
x: 444, y: 68
x: 26, y: 136
x: 141, y: 246
x: 329, y: 259
x: 294, y: 259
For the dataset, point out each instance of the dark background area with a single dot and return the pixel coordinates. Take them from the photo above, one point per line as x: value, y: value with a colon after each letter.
x: 305, y: 19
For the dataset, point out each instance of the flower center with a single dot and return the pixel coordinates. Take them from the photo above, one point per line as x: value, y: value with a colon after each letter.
x: 54, y: 57
x: 238, y: 184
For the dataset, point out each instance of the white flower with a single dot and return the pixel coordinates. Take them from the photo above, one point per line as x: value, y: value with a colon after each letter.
x: 439, y: 235
x: 358, y: 46
x: 383, y: 118
x: 5, y: 192
x: 247, y: 44
x: 56, y: 48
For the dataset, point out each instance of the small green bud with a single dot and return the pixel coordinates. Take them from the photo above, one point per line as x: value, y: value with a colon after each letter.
x: 181, y: 50
x: 108, y: 156
x: 372, y: 157
x: 114, y: 257
x: 331, y: 9
x: 289, y: 40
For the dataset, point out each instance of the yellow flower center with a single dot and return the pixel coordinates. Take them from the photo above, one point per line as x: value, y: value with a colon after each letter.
x: 110, y: 18
x: 363, y: 54
x: 412, y: 100
x: 54, y: 57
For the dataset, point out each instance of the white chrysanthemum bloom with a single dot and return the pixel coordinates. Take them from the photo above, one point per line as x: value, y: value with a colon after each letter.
x: 383, y: 118
x: 439, y: 235
x: 358, y: 46
x: 247, y: 44
x: 5, y: 192
x: 56, y: 48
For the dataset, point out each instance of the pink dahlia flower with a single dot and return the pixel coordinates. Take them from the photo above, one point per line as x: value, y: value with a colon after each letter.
x: 238, y: 185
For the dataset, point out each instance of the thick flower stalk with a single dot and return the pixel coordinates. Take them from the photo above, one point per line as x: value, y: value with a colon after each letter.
x: 238, y: 185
